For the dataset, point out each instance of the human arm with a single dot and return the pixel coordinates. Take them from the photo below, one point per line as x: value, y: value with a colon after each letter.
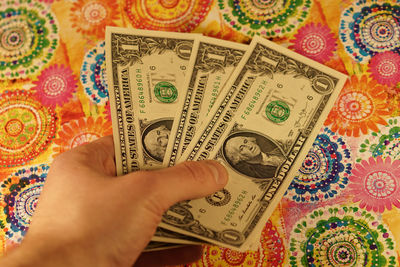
x: 86, y: 216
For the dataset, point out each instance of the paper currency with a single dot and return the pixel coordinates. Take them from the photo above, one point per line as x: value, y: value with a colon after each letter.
x: 260, y: 129
x: 145, y: 72
x: 155, y: 246
x: 168, y: 236
x: 213, y: 63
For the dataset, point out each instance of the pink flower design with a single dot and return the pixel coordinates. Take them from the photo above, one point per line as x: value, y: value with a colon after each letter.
x: 55, y: 85
x: 376, y: 184
x: 47, y: 1
x: 385, y: 67
x: 107, y: 111
x: 314, y: 41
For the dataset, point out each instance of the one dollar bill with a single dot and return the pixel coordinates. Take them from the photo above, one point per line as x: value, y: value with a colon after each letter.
x: 212, y: 66
x: 145, y: 72
x: 260, y: 129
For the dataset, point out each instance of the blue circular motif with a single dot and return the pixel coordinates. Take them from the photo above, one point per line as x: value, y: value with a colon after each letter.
x: 368, y: 28
x: 93, y: 74
x: 20, y: 193
x: 324, y: 171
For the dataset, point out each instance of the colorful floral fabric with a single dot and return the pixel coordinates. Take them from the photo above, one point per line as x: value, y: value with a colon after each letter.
x: 93, y: 74
x: 341, y: 236
x: 324, y: 172
x: 385, y: 68
x: 370, y: 27
x: 19, y: 197
x: 266, y: 18
x: 314, y: 41
x: 376, y: 184
x: 269, y: 254
x: 55, y: 85
x: 362, y: 105
x: 342, y: 207
x: 167, y: 15
x: 26, y: 126
x: 79, y: 132
x: 91, y: 17
x: 29, y: 38
x: 384, y: 143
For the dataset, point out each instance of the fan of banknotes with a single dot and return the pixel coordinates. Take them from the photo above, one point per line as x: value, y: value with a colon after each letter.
x: 255, y: 108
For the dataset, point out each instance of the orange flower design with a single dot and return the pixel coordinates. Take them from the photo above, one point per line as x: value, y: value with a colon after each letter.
x: 91, y: 16
x: 167, y: 15
x: 361, y: 105
x: 270, y: 253
x: 2, y: 243
x: 79, y: 132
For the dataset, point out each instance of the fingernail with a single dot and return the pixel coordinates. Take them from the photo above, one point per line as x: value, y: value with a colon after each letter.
x: 218, y: 178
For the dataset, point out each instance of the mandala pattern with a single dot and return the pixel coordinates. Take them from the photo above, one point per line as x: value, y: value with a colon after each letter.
x: 361, y: 105
x: 92, y: 16
x: 341, y: 236
x: 384, y: 143
x: 369, y: 27
x: 79, y: 132
x: 28, y: 38
x: 167, y: 15
x: 270, y: 254
x: 93, y: 74
x: 385, y: 68
x: 20, y: 193
x: 376, y: 184
x: 272, y: 246
x: 273, y: 18
x: 315, y: 41
x: 324, y: 172
x: 55, y: 85
x: 220, y: 257
x: 26, y: 128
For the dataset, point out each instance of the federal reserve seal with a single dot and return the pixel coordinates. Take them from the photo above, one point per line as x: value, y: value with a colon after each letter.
x: 277, y: 111
x: 165, y: 92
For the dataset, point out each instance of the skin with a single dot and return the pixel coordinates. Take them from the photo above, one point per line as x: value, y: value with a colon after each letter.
x: 86, y: 216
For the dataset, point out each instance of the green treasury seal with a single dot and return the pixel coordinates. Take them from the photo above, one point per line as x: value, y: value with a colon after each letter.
x: 165, y: 92
x: 277, y: 111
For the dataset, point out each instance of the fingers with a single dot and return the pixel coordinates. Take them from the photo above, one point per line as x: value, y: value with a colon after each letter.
x: 105, y: 144
x: 175, y: 256
x: 104, y: 149
x: 98, y: 155
x: 187, y: 180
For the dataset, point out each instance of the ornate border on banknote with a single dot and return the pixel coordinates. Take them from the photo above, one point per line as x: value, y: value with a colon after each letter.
x: 263, y: 61
x: 266, y: 61
x: 210, y: 58
x: 127, y: 50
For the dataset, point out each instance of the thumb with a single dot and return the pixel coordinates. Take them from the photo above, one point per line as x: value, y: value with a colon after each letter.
x: 187, y: 180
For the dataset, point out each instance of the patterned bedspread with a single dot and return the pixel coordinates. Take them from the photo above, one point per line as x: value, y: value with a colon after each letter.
x: 343, y: 206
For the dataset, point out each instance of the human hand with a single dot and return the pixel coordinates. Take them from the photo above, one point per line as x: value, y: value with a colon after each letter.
x: 86, y: 216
